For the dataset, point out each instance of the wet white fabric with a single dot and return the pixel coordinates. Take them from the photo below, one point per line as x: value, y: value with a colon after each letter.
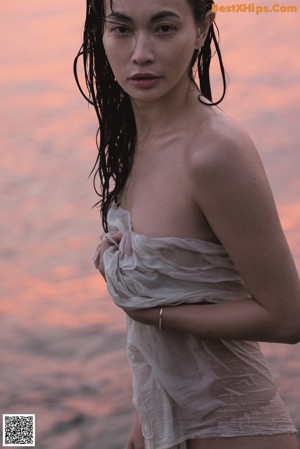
x: 184, y: 386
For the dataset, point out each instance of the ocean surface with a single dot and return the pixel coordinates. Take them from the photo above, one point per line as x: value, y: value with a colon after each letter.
x: 62, y: 346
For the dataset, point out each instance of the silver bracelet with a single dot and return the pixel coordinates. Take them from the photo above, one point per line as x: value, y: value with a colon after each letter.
x: 160, y: 317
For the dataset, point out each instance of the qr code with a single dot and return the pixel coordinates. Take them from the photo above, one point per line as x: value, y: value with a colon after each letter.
x: 18, y: 430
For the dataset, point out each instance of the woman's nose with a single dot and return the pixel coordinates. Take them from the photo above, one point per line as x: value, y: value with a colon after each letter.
x: 143, y: 51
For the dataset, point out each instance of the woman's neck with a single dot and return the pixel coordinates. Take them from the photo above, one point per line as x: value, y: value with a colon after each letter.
x: 166, y: 114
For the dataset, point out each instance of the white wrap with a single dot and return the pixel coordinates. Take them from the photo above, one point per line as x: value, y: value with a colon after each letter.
x: 185, y: 386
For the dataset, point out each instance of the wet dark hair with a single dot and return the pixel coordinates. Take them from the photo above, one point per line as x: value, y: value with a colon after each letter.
x: 116, y: 135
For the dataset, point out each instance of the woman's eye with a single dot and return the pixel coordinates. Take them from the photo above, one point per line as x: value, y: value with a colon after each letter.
x: 165, y: 29
x: 121, y: 29
x: 118, y: 29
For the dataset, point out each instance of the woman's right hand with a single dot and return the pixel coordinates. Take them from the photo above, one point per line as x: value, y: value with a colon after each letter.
x: 135, y: 438
x: 106, y: 241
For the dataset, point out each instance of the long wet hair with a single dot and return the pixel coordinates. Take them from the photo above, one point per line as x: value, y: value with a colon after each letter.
x: 116, y: 135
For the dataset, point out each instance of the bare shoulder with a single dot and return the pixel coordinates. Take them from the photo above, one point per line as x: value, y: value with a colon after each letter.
x: 228, y: 180
x: 227, y: 177
x: 223, y: 146
x: 229, y: 185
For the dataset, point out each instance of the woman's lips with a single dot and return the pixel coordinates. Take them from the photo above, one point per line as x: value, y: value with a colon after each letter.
x: 144, y: 81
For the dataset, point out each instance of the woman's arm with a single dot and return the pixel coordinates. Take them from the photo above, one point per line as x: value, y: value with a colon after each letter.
x: 229, y: 185
x: 135, y: 438
x: 239, y: 320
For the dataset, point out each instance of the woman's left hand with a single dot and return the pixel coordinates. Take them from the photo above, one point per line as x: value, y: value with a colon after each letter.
x: 106, y: 241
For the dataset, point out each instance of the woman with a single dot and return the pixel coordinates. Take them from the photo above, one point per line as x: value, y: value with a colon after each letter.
x: 193, y: 249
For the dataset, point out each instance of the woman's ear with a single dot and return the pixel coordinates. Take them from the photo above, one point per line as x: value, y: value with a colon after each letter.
x: 203, y: 28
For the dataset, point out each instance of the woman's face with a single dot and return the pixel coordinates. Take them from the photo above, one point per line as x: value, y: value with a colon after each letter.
x: 149, y: 45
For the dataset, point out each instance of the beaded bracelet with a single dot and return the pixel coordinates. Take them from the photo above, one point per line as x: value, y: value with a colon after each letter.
x: 160, y: 318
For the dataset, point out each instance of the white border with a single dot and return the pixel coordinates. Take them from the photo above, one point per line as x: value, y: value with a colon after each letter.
x: 3, y: 429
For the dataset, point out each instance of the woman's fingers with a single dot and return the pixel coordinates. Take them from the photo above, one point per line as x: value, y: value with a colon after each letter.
x: 107, y: 240
x: 135, y: 439
x: 103, y: 246
x: 113, y: 237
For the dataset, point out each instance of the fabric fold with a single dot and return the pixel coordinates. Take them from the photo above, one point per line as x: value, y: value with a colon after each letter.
x: 185, y: 386
x: 143, y: 272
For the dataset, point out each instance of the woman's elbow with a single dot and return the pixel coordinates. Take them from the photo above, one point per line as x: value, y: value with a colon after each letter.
x: 294, y: 337
x: 290, y: 332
